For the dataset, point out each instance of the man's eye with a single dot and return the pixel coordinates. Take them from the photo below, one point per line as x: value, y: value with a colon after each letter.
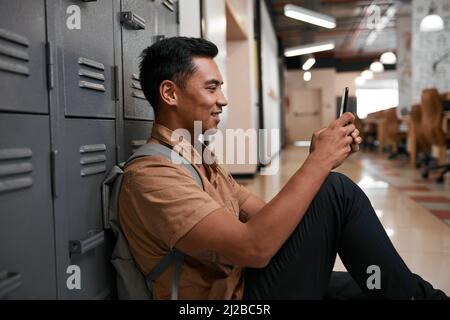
x: 212, y: 89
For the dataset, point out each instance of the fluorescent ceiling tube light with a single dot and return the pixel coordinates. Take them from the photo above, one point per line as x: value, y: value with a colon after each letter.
x: 309, y: 48
x: 308, y: 63
x: 309, y: 16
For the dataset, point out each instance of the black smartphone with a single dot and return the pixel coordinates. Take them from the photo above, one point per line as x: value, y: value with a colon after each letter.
x: 344, y: 102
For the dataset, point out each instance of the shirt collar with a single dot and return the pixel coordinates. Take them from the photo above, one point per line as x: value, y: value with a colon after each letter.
x: 183, y: 146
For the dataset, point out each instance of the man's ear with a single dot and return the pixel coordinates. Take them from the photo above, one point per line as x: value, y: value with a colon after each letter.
x: 167, y: 92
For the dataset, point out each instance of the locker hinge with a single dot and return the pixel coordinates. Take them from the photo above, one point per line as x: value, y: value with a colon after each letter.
x: 49, y: 58
x: 177, y: 9
x: 116, y: 83
x: 53, y: 155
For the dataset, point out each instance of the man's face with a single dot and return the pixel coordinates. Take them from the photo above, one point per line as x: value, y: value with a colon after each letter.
x: 202, y: 98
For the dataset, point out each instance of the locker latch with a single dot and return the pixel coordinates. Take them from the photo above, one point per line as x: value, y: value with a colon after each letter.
x: 132, y: 20
x: 93, y: 240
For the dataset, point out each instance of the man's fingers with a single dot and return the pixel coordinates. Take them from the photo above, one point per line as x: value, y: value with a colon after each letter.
x: 355, y: 133
x: 344, y: 119
x: 349, y: 129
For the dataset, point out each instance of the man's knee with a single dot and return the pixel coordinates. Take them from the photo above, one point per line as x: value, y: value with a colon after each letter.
x: 337, y: 180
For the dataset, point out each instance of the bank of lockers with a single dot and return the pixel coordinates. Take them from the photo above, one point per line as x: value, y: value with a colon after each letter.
x: 71, y: 106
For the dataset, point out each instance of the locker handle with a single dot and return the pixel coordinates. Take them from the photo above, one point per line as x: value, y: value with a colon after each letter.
x: 132, y: 20
x: 94, y: 239
x: 9, y: 281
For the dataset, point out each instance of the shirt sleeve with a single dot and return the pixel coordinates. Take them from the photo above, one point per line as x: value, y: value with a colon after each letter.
x: 240, y: 193
x: 168, y: 200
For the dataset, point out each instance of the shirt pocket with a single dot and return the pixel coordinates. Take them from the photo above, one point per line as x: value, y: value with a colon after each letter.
x: 233, y: 206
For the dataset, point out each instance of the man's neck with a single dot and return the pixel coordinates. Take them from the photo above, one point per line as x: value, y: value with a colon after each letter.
x: 173, y: 125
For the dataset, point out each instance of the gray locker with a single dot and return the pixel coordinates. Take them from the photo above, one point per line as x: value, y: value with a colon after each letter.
x: 23, y: 56
x: 88, y: 153
x: 166, y: 17
x: 136, y: 133
x: 27, y: 256
x: 88, y: 55
x: 138, y: 31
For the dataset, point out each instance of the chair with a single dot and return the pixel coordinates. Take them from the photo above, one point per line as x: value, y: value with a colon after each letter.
x: 431, y: 124
x: 393, y: 134
x: 423, y: 147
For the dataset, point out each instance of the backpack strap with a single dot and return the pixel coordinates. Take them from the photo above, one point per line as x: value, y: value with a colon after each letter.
x: 176, y: 257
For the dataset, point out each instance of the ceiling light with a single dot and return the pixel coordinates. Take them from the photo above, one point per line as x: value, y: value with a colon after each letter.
x: 310, y: 48
x: 359, y: 81
x: 432, y: 22
x: 376, y: 66
x: 308, y: 63
x: 307, y: 76
x: 309, y: 16
x: 388, y: 58
x: 367, y: 74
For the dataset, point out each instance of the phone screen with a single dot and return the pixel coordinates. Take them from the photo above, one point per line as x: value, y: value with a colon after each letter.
x: 344, y: 101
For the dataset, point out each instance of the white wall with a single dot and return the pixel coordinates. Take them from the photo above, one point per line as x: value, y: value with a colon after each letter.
x: 270, y: 81
x: 189, y: 18
x: 215, y: 31
x: 323, y: 79
x: 241, y: 91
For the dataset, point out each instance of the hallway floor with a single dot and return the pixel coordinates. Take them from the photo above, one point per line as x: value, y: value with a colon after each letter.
x: 414, y: 213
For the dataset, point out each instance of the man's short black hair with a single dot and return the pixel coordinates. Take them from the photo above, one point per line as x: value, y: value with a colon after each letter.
x: 171, y: 59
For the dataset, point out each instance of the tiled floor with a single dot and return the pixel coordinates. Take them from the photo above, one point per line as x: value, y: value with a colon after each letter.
x: 409, y: 208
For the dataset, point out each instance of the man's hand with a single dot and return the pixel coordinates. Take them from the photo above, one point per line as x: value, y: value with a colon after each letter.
x: 333, y: 144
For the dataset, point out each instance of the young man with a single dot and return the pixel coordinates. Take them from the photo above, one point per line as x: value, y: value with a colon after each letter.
x: 236, y: 245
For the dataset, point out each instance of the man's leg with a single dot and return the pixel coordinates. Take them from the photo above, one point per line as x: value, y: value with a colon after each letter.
x: 339, y: 219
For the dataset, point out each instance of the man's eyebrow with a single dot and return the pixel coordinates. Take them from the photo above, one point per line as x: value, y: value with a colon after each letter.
x: 214, y: 81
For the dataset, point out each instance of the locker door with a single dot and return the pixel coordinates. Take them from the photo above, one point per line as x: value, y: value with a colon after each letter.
x: 22, y: 56
x: 88, y: 54
x: 138, y: 30
x: 89, y: 152
x: 136, y: 134
x: 27, y: 256
x: 166, y: 12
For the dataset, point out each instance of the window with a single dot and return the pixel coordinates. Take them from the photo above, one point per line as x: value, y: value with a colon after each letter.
x: 372, y: 100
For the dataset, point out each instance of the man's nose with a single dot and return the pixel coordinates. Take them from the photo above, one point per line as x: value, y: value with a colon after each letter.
x: 222, y: 101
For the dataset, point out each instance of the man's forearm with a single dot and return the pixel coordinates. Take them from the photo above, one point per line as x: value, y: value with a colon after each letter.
x: 271, y: 227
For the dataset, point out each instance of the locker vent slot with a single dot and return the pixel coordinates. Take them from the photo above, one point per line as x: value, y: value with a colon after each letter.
x: 136, y: 88
x: 135, y: 144
x: 91, y: 85
x: 13, y: 55
x: 91, y: 63
x: 169, y: 4
x: 91, y: 74
x: 15, y: 169
x: 94, y: 163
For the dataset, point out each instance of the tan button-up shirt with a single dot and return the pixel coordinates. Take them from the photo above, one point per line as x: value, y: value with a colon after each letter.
x: 160, y: 202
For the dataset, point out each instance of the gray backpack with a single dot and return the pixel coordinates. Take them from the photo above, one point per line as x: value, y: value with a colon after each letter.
x: 131, y: 283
